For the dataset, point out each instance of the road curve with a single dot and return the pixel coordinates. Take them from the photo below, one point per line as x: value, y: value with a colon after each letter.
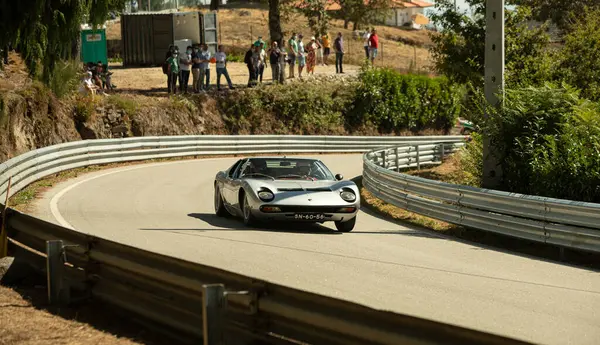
x: 168, y: 208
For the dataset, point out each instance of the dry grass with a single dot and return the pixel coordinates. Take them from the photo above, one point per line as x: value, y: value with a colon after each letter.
x: 449, y: 171
x: 239, y: 27
x: 14, y: 76
x: 22, y: 323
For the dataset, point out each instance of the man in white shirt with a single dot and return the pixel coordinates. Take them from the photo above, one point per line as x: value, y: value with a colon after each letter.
x: 221, y: 58
x: 204, y: 68
x: 366, y: 37
x: 185, y: 61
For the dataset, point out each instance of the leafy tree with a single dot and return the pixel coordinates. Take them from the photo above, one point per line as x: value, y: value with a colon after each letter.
x: 580, y: 58
x: 44, y: 30
x: 361, y: 12
x: 314, y: 11
x: 459, y: 49
x: 562, y: 12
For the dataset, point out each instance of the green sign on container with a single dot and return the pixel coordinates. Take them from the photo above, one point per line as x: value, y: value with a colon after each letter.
x: 93, y: 46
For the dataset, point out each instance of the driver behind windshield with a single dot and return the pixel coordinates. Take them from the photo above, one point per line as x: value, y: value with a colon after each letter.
x: 257, y: 166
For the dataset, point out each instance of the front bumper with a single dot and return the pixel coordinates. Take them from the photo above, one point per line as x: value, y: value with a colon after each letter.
x: 306, y: 213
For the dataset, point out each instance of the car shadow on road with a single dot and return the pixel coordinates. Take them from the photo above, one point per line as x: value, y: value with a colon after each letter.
x: 234, y: 224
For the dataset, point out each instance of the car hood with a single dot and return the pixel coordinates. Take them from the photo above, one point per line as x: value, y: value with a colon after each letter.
x: 299, y: 185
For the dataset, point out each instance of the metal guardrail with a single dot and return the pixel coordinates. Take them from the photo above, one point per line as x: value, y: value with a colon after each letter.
x: 568, y: 224
x: 192, y: 301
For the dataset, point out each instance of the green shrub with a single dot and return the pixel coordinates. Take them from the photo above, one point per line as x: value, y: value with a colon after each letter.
x: 314, y: 106
x: 548, y: 142
x: 471, y: 161
x: 83, y: 109
x: 128, y: 105
x: 394, y: 102
x: 66, y: 78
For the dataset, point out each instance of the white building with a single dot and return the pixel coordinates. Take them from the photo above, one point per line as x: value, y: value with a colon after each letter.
x: 408, y: 12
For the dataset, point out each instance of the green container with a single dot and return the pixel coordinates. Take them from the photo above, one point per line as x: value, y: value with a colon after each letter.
x: 93, y: 46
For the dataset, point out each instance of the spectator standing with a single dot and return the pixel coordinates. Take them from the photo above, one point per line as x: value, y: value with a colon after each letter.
x: 293, y: 53
x: 196, y: 69
x: 263, y: 62
x: 311, y: 48
x: 319, y: 43
x: 249, y: 63
x: 282, y: 62
x: 221, y: 61
x: 339, y: 53
x: 274, y: 60
x: 173, y: 71
x: 326, y: 47
x: 204, y: 68
x: 185, y: 61
x: 301, y: 56
x: 374, y: 45
x: 257, y: 62
x: 366, y: 38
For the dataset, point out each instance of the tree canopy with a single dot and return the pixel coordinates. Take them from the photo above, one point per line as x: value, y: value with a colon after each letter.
x: 44, y: 30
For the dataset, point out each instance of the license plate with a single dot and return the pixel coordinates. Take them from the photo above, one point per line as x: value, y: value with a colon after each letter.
x: 309, y: 216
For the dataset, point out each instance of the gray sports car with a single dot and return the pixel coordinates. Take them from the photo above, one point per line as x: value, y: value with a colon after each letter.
x: 286, y: 189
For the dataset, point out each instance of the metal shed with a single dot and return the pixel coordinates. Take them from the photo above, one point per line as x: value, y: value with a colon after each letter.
x: 147, y: 36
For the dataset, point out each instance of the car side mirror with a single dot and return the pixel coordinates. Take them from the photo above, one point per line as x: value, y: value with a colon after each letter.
x: 339, y: 177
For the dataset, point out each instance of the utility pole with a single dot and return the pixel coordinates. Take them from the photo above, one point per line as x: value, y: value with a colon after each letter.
x: 455, y: 8
x: 494, y: 84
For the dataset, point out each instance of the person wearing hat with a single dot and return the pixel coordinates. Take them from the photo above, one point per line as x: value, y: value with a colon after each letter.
x: 173, y: 70
x: 311, y: 60
x: 88, y: 86
x: 259, y: 41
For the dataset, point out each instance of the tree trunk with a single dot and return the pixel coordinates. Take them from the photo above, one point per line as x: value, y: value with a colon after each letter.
x: 214, y: 5
x: 355, y: 26
x: 346, y: 23
x: 275, y: 30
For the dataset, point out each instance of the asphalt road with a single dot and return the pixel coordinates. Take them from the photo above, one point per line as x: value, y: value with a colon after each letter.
x: 168, y: 208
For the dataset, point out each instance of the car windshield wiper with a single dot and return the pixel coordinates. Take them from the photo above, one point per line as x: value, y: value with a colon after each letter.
x: 258, y: 174
x: 292, y: 175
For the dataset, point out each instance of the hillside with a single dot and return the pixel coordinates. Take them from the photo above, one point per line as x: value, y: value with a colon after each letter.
x: 240, y: 26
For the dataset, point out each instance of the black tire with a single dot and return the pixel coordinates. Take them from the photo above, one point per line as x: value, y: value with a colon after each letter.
x: 249, y: 219
x: 346, y: 226
x: 220, y: 209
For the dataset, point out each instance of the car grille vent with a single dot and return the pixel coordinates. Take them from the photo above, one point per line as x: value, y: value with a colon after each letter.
x: 322, y: 189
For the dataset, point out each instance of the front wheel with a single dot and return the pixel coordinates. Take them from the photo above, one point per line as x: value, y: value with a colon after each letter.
x: 346, y: 226
x: 249, y: 218
x: 219, y: 207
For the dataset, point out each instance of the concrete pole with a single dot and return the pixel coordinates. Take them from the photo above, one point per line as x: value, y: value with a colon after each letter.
x: 494, y: 83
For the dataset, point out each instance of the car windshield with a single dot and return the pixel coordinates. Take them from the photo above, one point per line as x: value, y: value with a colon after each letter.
x: 286, y: 168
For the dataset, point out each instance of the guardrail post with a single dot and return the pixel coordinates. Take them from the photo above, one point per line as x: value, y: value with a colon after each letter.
x: 418, y: 160
x: 58, y: 293
x: 397, y: 160
x: 213, y: 302
x: 443, y: 152
x: 383, y: 162
x: 3, y: 233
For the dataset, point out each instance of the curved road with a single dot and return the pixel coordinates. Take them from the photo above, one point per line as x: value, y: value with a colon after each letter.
x: 168, y: 208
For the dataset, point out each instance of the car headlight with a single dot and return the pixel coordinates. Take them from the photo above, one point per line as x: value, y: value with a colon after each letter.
x: 266, y: 195
x: 348, y: 195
